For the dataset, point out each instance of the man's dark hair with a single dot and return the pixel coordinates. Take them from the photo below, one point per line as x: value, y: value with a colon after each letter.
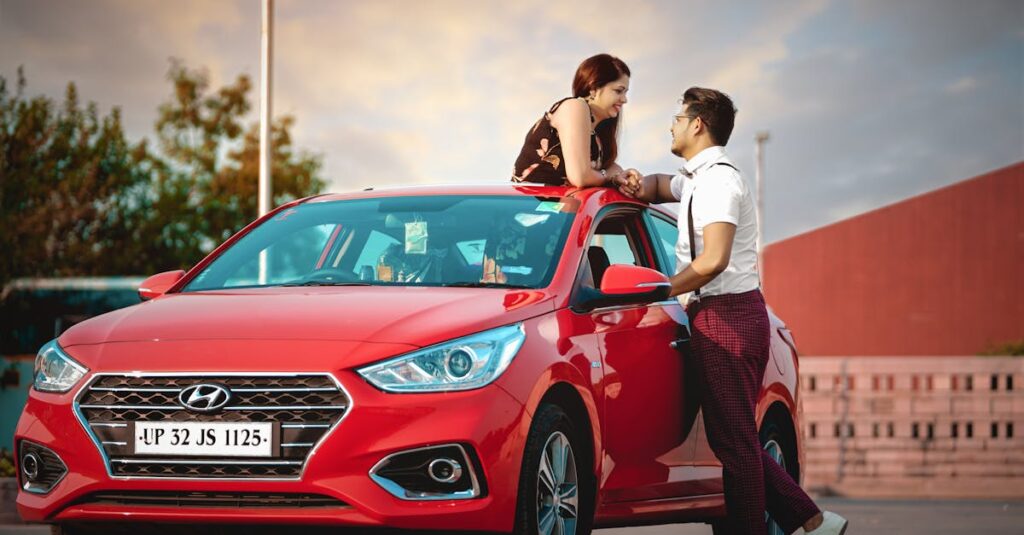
x: 715, y: 110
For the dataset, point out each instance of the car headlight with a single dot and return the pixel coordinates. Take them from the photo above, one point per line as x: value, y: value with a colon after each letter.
x: 461, y: 364
x: 55, y: 371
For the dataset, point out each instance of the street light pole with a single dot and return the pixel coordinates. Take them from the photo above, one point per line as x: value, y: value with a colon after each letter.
x: 760, y: 138
x: 266, y: 78
x: 266, y: 55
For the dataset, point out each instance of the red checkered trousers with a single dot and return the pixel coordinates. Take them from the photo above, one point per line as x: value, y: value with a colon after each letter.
x: 730, y: 342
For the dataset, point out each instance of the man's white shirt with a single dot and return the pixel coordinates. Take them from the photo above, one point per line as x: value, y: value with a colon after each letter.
x: 719, y: 196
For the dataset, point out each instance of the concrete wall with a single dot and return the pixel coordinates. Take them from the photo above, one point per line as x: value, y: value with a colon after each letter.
x: 938, y: 274
x: 850, y: 410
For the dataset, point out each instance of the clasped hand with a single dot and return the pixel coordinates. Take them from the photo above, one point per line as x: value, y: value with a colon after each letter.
x: 630, y: 182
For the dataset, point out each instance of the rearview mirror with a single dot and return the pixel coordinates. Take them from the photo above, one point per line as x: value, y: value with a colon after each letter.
x: 158, y: 284
x: 624, y: 284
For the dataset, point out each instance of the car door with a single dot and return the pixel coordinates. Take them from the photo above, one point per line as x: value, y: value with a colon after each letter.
x: 705, y: 476
x: 646, y: 451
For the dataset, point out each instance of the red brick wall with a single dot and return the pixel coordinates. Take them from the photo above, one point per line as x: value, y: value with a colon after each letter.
x: 937, y: 274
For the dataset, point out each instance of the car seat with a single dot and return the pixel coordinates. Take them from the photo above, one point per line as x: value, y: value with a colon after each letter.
x: 598, y: 259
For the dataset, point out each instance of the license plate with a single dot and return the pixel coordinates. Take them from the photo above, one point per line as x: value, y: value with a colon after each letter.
x: 220, y: 439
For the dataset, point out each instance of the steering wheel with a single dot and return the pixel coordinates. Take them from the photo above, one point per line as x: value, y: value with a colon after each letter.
x: 332, y: 275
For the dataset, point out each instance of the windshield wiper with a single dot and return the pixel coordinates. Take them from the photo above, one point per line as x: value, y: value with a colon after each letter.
x: 325, y: 283
x: 484, y: 285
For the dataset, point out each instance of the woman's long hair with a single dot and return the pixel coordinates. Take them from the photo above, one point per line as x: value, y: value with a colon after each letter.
x: 593, y: 73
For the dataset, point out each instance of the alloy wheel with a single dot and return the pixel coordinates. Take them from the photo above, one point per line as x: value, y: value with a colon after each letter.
x: 557, y: 488
x: 775, y: 451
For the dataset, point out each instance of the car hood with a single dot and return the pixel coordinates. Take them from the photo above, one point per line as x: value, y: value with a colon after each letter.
x: 410, y: 316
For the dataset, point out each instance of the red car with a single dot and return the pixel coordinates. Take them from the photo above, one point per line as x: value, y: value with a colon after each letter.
x: 489, y: 358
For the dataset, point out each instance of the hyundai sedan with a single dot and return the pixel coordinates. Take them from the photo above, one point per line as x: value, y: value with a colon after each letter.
x: 489, y: 358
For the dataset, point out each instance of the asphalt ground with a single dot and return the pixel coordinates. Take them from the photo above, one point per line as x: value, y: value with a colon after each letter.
x: 890, y: 517
x: 893, y: 517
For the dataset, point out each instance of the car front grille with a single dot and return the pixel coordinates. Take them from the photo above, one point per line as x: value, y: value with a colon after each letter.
x: 211, y: 499
x: 304, y: 406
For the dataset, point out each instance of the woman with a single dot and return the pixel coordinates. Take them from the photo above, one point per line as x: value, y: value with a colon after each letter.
x: 574, y: 143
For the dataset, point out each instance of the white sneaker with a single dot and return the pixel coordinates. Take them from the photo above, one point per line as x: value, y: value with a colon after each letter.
x: 832, y: 524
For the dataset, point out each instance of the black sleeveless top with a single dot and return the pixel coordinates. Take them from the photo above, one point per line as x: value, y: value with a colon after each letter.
x: 541, y: 160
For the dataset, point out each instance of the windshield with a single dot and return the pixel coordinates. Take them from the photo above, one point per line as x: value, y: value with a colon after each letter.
x: 489, y: 241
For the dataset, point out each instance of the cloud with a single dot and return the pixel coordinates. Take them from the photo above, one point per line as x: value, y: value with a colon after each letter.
x: 117, y: 52
x: 965, y: 84
x: 849, y: 209
x: 372, y: 160
x: 876, y: 105
x: 867, y: 102
x: 704, y: 46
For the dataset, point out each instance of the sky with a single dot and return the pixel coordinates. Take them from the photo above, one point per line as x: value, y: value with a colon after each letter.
x: 866, y: 103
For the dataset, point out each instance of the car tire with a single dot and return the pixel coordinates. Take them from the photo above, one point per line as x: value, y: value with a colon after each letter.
x: 778, y: 442
x: 539, y: 510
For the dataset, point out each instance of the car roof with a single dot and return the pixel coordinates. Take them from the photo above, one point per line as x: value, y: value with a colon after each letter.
x: 525, y: 190
x: 531, y: 190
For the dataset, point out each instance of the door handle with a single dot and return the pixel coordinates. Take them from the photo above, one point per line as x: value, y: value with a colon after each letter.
x: 678, y: 343
x: 609, y: 318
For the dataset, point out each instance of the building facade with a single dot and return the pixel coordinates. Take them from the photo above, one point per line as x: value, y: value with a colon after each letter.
x: 890, y: 310
x: 914, y: 426
x: 938, y: 274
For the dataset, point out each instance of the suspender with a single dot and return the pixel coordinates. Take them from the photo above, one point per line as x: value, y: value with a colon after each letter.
x: 727, y: 164
x: 693, y: 254
x: 689, y: 220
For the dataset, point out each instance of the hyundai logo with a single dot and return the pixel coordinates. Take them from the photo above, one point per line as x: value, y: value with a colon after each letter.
x: 206, y: 397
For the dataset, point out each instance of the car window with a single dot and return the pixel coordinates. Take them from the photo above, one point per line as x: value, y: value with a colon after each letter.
x: 406, y: 240
x: 618, y: 239
x: 472, y: 251
x: 666, y: 234
x: 375, y: 246
x: 618, y: 248
x: 285, y: 259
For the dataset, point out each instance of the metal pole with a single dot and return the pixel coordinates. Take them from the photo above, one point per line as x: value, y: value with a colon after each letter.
x: 266, y: 77
x: 760, y: 138
x: 265, y: 113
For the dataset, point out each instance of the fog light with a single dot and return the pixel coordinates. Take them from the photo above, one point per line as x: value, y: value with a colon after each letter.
x: 41, y: 469
x: 444, y: 470
x: 30, y: 466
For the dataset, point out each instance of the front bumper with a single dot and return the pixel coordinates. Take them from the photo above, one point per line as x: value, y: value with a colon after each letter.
x: 488, y: 422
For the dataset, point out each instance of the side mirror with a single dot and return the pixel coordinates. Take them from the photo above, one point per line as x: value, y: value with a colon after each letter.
x: 158, y: 284
x: 623, y: 284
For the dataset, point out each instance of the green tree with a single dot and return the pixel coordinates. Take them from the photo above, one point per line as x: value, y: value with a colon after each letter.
x: 77, y: 198
x: 214, y: 161
x: 1013, y: 348
x: 68, y: 178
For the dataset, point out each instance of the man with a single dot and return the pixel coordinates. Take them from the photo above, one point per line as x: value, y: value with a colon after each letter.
x: 730, y: 331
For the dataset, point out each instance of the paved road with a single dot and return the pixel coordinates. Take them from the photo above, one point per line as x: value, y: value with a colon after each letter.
x: 889, y: 517
x: 892, y: 517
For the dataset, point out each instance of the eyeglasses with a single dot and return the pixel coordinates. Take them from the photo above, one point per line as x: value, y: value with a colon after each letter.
x: 677, y: 118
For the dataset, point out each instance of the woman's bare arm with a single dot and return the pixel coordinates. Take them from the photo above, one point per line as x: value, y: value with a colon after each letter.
x: 613, y: 170
x: 572, y: 121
